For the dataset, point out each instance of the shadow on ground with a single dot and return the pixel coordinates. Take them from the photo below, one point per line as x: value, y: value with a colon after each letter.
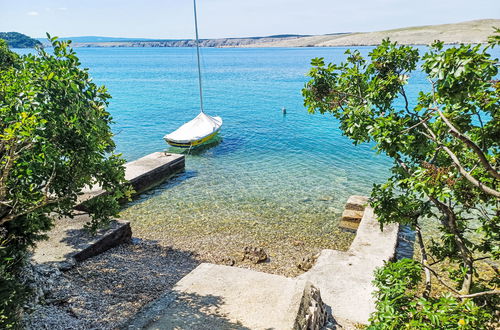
x: 183, y: 311
x: 104, y: 291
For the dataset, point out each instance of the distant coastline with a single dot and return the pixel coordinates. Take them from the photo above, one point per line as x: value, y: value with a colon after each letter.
x: 476, y: 31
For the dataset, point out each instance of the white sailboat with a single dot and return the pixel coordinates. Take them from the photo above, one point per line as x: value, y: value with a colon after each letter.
x: 203, y: 127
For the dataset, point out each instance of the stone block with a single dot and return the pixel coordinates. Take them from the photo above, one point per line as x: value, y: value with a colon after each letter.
x: 356, y: 202
x: 349, y: 225
x: 352, y: 215
x: 122, y: 233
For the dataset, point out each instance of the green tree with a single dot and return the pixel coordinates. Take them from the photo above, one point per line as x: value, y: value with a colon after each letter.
x: 19, y: 40
x: 7, y: 58
x: 55, y: 140
x: 445, y: 147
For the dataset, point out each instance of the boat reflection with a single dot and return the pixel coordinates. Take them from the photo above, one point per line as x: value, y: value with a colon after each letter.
x: 198, y: 150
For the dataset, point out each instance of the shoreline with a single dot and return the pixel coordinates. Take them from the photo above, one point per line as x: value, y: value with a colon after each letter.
x: 469, y: 32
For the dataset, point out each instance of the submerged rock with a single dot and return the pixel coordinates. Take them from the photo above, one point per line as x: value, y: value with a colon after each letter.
x: 307, y: 262
x: 254, y: 254
x: 228, y: 261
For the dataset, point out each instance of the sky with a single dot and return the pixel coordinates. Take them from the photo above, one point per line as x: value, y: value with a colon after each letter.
x: 173, y: 19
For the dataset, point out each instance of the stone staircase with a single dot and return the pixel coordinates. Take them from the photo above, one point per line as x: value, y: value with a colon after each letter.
x: 353, y: 212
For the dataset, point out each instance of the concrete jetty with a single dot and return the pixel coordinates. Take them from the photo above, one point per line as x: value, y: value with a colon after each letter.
x: 345, y: 278
x: 68, y: 242
x: 142, y: 174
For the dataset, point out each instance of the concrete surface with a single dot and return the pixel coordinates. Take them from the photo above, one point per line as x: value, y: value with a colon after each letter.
x: 143, y: 174
x: 223, y: 297
x: 148, y: 171
x: 345, y: 278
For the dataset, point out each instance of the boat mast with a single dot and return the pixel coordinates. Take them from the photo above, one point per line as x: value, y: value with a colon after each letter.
x: 198, y: 55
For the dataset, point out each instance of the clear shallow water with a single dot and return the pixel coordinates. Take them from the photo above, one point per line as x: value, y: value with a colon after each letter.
x: 275, y: 178
x: 274, y: 181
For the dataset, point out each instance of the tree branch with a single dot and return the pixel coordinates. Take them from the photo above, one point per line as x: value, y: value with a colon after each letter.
x: 45, y: 201
x: 456, y: 293
x: 466, y: 175
x: 482, y: 158
x: 451, y: 224
x: 428, y: 284
x: 458, y: 165
x: 417, y: 124
x: 478, y: 294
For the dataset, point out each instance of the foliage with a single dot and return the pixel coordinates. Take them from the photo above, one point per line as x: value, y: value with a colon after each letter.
x: 396, y: 304
x: 7, y: 58
x: 55, y: 140
x: 19, y: 40
x: 445, y: 148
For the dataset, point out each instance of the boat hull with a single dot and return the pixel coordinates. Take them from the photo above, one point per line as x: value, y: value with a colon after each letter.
x: 195, y: 143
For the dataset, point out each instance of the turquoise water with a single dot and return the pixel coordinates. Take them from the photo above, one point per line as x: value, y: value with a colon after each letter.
x: 272, y: 181
x: 263, y: 153
x: 294, y: 162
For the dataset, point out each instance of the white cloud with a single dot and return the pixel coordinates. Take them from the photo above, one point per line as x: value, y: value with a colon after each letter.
x: 62, y: 8
x: 32, y: 13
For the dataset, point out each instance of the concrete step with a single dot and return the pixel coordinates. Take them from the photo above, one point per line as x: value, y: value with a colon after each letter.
x: 350, y: 219
x: 223, y: 297
x: 355, y: 202
x: 353, y: 212
x: 345, y: 278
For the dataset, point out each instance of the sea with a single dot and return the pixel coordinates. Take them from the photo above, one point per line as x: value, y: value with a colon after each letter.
x: 289, y: 173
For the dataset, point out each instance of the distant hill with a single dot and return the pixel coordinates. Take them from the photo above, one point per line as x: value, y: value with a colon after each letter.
x: 465, y: 32
x: 95, y: 41
x: 100, y: 39
x: 19, y: 40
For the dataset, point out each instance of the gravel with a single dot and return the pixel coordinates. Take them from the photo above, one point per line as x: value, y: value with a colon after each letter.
x: 103, y: 292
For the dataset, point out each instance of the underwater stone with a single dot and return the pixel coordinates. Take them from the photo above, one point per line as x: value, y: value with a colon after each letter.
x: 254, y: 254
